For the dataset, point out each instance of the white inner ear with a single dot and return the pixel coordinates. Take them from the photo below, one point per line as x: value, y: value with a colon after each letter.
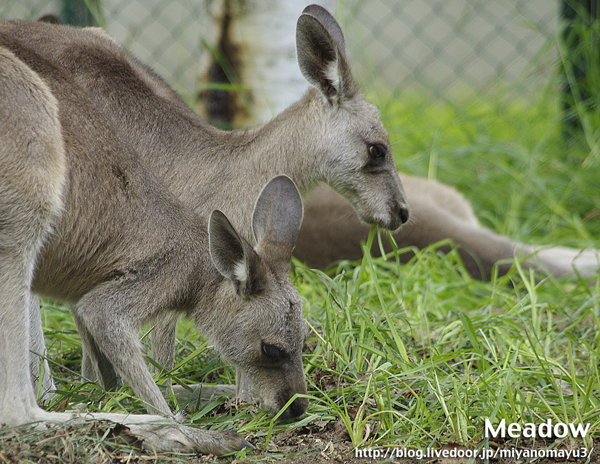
x: 240, y: 272
x: 332, y: 73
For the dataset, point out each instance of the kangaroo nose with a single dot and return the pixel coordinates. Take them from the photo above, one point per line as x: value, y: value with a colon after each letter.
x: 296, y: 409
x: 400, y: 213
x: 404, y: 213
x: 299, y: 406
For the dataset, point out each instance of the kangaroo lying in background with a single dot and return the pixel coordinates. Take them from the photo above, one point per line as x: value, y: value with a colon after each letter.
x: 84, y: 221
x: 332, y: 134
x: 331, y: 232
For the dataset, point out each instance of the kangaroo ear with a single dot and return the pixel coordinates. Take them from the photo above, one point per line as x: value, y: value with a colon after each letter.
x: 278, y: 215
x: 233, y: 257
x: 321, y: 52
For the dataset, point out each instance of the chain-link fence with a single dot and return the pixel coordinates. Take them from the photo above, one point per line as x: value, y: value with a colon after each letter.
x: 164, y: 34
x: 443, y: 44
x: 440, y: 48
x: 452, y: 45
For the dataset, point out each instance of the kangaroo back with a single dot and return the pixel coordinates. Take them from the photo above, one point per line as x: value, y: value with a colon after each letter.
x: 331, y: 135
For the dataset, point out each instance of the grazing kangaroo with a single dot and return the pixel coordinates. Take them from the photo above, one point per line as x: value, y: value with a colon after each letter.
x: 84, y: 221
x: 331, y: 232
x: 332, y: 134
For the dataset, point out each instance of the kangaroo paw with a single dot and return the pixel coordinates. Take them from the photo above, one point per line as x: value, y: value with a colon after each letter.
x: 184, y: 439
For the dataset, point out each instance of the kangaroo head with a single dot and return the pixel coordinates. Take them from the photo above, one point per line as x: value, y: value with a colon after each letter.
x: 262, y: 330
x: 357, y: 157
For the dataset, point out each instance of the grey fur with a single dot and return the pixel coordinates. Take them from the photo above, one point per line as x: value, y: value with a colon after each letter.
x: 326, y: 136
x: 319, y: 138
x: 83, y: 220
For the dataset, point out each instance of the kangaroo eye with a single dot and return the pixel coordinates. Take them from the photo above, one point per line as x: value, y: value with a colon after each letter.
x: 272, y: 353
x: 376, y: 151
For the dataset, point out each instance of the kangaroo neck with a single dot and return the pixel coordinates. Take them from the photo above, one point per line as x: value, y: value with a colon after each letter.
x: 209, y: 169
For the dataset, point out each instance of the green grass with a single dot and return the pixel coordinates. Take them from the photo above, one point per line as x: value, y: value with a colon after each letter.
x: 427, y: 354
x: 419, y: 355
x: 507, y: 153
x: 414, y: 355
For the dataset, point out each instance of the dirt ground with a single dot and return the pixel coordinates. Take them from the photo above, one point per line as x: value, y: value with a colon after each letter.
x: 100, y: 443
x: 332, y: 446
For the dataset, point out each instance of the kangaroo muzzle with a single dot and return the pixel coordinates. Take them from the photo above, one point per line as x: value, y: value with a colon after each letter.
x: 274, y: 394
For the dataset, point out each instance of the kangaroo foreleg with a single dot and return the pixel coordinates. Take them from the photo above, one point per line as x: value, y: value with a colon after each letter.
x: 95, y: 366
x: 115, y: 334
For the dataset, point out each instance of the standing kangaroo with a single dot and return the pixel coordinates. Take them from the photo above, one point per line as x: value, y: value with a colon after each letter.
x: 332, y: 134
x: 84, y: 221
